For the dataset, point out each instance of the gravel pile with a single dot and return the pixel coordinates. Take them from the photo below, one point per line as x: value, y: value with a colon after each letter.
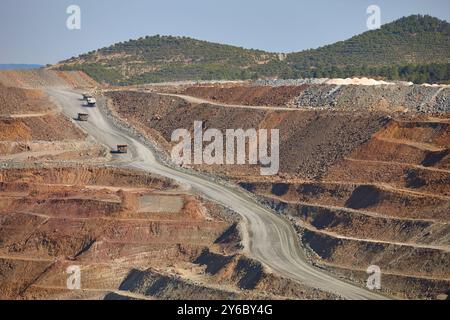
x: 332, y: 94
x: 384, y: 97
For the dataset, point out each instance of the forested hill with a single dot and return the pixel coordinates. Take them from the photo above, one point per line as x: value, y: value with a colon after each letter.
x: 167, y: 58
x: 413, y: 40
x: 414, y: 48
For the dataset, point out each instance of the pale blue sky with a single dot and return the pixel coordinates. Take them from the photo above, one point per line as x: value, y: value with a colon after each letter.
x: 35, y: 31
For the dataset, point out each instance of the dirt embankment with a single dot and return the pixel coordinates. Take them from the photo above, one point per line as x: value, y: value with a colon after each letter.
x: 43, y: 78
x: 225, y: 277
x: 423, y: 143
x: 46, y: 128
x: 84, y: 175
x: 45, y: 138
x: 419, y: 262
x: 158, y: 285
x: 408, y: 154
x: 247, y: 95
x: 369, y: 198
x: 21, y: 101
x: 407, y: 271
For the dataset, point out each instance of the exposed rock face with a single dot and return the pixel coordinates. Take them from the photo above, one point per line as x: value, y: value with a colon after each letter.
x: 227, y: 277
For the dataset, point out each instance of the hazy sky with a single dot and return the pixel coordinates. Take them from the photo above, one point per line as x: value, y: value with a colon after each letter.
x: 34, y: 31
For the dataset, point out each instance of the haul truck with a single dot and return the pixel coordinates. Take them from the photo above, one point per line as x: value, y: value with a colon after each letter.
x: 122, y: 148
x: 82, y: 117
x: 91, y: 102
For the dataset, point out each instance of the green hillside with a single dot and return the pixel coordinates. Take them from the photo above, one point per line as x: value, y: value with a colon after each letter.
x: 167, y: 58
x: 414, y: 48
x: 414, y: 40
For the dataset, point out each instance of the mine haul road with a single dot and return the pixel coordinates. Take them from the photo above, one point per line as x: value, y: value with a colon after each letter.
x: 267, y: 237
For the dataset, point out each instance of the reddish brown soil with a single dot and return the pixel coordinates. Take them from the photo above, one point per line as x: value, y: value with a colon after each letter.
x: 20, y: 101
x: 46, y: 128
x: 365, y: 197
x: 247, y: 95
x: 45, y: 226
x: 40, y: 78
x: 359, y: 255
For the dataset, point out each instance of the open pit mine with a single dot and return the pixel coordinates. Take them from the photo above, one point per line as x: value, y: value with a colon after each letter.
x: 93, y: 207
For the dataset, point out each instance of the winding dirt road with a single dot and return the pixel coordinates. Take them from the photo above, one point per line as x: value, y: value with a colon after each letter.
x: 267, y: 237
